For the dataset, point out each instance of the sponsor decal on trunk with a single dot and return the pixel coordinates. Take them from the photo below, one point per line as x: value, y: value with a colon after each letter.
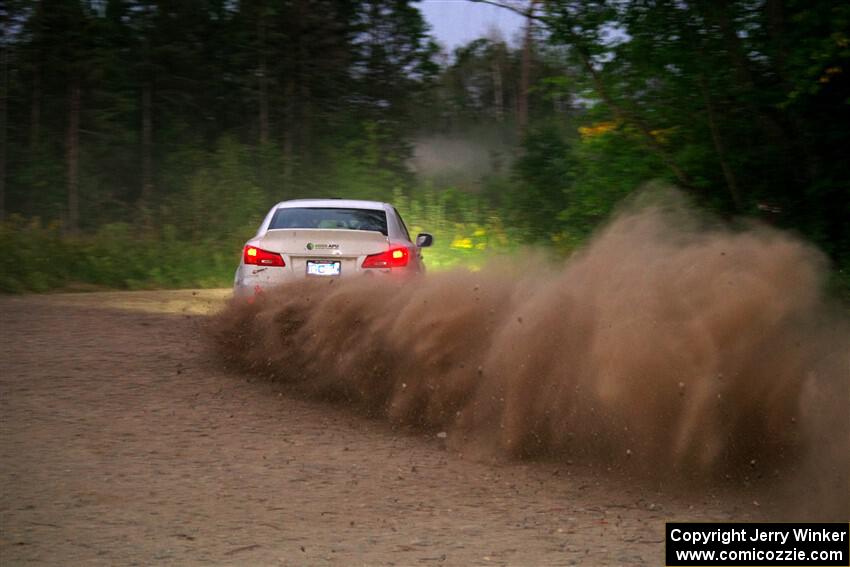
x: 322, y: 246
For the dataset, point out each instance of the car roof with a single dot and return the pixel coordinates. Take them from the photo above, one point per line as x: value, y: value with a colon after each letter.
x: 333, y: 204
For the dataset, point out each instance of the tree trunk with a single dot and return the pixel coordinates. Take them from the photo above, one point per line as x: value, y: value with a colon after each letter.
x: 305, y: 126
x: 775, y: 14
x: 35, y: 101
x: 498, y: 92
x: 719, y: 147
x: 525, y: 72
x: 305, y: 108
x: 35, y: 110
x: 263, y: 79
x: 72, y: 151
x: 4, y: 94
x: 147, y: 143
x: 770, y: 120
x: 289, y: 131
x: 776, y: 29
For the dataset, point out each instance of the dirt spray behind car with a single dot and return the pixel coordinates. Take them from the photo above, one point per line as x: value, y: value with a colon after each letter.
x: 667, y: 347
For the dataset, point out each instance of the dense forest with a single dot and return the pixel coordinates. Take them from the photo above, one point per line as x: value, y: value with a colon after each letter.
x: 141, y: 141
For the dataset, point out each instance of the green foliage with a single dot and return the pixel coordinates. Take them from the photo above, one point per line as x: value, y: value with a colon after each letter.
x: 611, y: 165
x: 360, y: 169
x: 742, y: 104
x: 38, y: 258
x: 195, y: 117
x: 544, y: 173
x: 466, y: 231
x: 221, y: 197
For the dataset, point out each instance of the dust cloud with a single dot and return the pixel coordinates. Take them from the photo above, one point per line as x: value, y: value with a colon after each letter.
x: 463, y: 160
x: 669, y: 346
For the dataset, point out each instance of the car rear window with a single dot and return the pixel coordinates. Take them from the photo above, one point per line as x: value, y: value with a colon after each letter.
x: 315, y: 217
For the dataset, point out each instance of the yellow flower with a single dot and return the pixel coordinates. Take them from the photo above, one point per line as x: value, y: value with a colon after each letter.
x: 459, y: 242
x: 595, y: 130
x: 828, y: 73
x: 662, y: 135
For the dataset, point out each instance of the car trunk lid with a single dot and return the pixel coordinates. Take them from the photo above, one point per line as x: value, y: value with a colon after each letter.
x: 299, y: 246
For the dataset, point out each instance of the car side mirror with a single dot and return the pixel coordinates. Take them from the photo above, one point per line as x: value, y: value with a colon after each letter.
x: 423, y: 240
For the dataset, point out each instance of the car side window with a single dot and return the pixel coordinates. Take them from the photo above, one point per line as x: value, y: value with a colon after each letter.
x: 403, y: 226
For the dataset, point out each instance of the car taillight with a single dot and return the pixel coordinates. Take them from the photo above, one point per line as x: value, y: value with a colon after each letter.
x: 259, y: 257
x: 392, y: 258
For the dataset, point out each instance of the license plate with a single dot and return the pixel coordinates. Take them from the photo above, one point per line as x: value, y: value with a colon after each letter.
x: 315, y: 268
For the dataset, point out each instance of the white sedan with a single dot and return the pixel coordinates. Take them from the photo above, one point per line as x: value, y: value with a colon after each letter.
x: 328, y: 238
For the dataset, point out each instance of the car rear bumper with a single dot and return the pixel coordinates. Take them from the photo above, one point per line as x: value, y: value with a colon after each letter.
x: 252, y: 280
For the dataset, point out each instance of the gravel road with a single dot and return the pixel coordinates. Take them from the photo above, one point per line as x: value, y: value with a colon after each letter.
x: 123, y: 442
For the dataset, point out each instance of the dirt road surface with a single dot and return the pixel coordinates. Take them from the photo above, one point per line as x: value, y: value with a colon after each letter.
x: 123, y: 442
